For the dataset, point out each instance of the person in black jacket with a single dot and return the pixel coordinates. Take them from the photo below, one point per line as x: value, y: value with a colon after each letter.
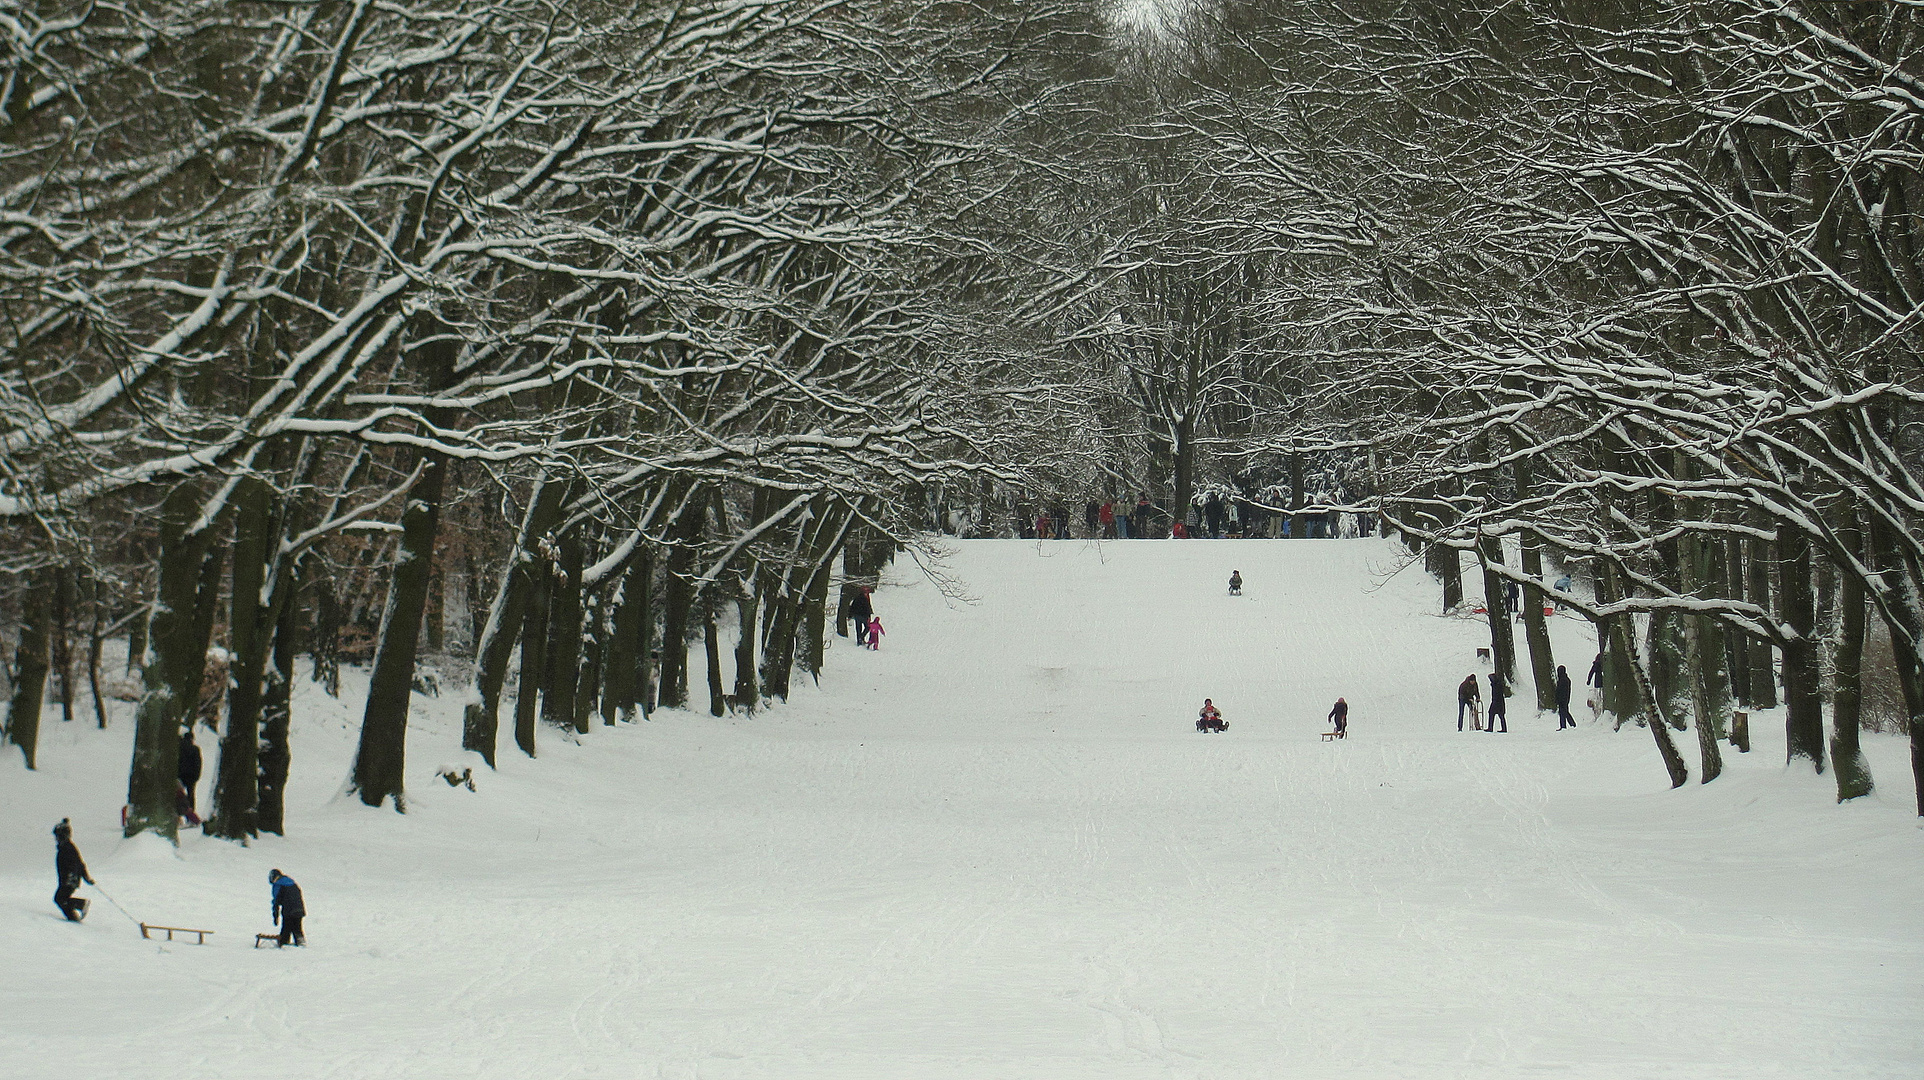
x: 288, y: 909
x: 1499, y: 708
x: 1339, y: 715
x: 861, y: 610
x: 71, y: 869
x: 1564, y: 719
x: 190, y: 763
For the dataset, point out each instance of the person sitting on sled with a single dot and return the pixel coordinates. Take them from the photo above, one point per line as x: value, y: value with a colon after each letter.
x: 1235, y: 583
x: 1210, y: 718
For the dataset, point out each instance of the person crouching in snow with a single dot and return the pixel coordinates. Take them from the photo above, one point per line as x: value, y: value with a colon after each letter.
x: 1339, y: 715
x: 288, y: 908
x: 874, y: 633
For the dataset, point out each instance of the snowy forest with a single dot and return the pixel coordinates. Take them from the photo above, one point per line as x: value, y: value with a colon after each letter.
x: 516, y: 349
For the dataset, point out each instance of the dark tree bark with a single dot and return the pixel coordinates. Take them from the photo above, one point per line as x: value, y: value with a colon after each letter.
x: 276, y: 713
x: 534, y: 655
x: 1704, y: 638
x: 30, y: 664
x: 62, y: 637
x: 711, y: 646
x: 815, y: 621
x: 1622, y: 690
x: 250, y: 630
x: 1847, y: 662
x: 564, y: 636
x: 747, y: 690
x: 189, y: 580
x: 677, y: 601
x: 1736, y: 645
x: 494, y: 644
x: 588, y: 686
x: 1803, y: 701
x: 628, y: 647
x: 1763, y: 668
x: 379, y: 764
x: 1502, y: 636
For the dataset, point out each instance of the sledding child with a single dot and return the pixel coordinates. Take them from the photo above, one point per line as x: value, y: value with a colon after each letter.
x: 1339, y: 715
x: 874, y: 632
x: 1235, y: 583
x: 1210, y: 718
x: 71, y: 869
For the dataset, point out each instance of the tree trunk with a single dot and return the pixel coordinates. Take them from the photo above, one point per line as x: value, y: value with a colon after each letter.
x: 494, y: 646
x: 188, y: 580
x: 276, y: 713
x: 30, y: 664
x: 711, y: 644
x: 815, y: 621
x: 62, y: 641
x: 564, y: 636
x: 1536, y: 631
x: 1847, y: 658
x: 380, y: 761
x: 1489, y: 550
x: 677, y: 600
x: 1736, y: 645
x: 1763, y: 673
x: 747, y: 692
x: 1299, y: 521
x: 250, y: 630
x: 534, y: 655
x: 1659, y: 726
x: 628, y: 647
x: 1622, y: 690
x: 1704, y: 639
x: 1803, y: 701
x: 1446, y: 563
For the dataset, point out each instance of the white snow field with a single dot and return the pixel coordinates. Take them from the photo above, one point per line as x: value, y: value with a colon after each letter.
x: 998, y: 848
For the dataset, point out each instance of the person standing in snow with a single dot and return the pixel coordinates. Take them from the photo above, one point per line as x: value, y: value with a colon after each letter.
x: 1092, y: 517
x: 1235, y: 583
x: 1106, y: 517
x: 190, y: 763
x: 1499, y: 706
x: 875, y: 633
x: 71, y: 870
x: 1468, y: 696
x: 1339, y: 716
x: 1595, y: 678
x: 287, y: 908
x: 861, y: 610
x: 1564, y: 719
x: 1139, y: 526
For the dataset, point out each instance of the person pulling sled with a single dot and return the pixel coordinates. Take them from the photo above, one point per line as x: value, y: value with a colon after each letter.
x: 1211, y: 718
x: 1235, y: 583
x: 1339, y: 716
x: 287, y: 908
x: 71, y: 869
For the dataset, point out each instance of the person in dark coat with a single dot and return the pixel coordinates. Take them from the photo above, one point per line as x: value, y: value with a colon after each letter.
x: 1235, y: 583
x: 861, y: 610
x: 1139, y: 523
x: 288, y: 908
x: 190, y: 763
x: 1092, y: 517
x: 1595, y: 678
x: 1468, y: 696
x: 1339, y: 715
x: 1499, y: 707
x: 71, y: 869
x: 1564, y: 719
x: 1213, y: 514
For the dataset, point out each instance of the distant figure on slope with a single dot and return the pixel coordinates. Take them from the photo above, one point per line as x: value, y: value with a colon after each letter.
x: 71, y: 870
x: 1469, y: 696
x: 1499, y: 704
x: 1339, y: 715
x: 1092, y: 517
x: 1210, y: 718
x: 288, y: 909
x: 875, y: 633
x: 1564, y: 719
x: 1235, y: 583
x: 861, y: 610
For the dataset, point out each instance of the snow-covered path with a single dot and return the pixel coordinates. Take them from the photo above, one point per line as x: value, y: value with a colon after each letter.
x: 998, y: 848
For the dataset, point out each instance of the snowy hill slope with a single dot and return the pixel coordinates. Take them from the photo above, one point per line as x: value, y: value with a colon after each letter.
x: 998, y: 848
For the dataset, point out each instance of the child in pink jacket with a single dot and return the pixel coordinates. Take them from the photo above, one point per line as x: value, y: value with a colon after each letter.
x: 874, y: 632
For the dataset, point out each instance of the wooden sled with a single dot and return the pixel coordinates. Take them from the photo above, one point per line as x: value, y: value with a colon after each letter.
x: 266, y: 939
x: 200, y: 936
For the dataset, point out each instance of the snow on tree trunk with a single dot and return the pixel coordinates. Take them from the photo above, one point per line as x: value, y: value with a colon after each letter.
x: 30, y: 665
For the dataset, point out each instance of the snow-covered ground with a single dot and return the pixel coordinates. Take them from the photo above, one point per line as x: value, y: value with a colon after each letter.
x: 998, y: 848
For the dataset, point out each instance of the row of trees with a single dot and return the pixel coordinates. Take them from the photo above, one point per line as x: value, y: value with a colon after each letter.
x: 1634, y: 287
x: 657, y: 310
